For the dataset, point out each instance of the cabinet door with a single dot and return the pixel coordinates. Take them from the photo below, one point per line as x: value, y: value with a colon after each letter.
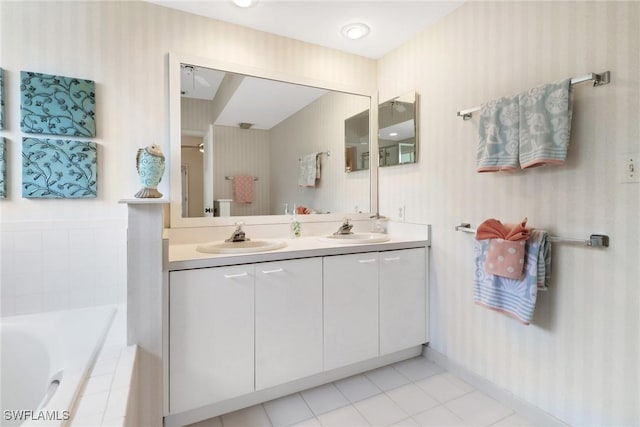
x: 288, y: 321
x: 403, y: 299
x: 211, y: 335
x: 350, y: 309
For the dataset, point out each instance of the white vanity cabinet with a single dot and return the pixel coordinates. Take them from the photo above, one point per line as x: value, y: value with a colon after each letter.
x: 350, y: 309
x: 211, y: 335
x: 288, y: 321
x: 403, y: 299
x: 242, y: 334
x: 375, y: 303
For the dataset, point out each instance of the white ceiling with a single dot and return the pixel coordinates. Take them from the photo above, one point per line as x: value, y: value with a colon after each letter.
x: 392, y: 22
x: 265, y: 103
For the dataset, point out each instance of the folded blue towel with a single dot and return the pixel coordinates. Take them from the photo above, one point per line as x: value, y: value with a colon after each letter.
x: 545, y: 124
x: 516, y: 298
x: 498, y: 133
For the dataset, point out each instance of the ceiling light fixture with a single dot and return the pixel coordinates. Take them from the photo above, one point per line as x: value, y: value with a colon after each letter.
x: 355, y: 31
x: 244, y: 3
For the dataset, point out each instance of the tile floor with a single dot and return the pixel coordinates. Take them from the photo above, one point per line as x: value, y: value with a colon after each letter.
x: 415, y: 392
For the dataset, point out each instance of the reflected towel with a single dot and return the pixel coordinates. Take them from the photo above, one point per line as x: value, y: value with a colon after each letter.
x: 309, y: 170
x: 545, y: 124
x: 498, y: 131
x: 515, y: 298
x: 243, y: 188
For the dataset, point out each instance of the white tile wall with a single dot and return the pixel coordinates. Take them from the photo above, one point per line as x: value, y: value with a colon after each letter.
x: 57, y: 265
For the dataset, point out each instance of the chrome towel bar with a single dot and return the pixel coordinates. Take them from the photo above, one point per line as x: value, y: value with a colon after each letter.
x: 595, y: 240
x: 597, y: 79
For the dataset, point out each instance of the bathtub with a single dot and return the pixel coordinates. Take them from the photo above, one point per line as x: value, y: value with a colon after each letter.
x: 44, y: 359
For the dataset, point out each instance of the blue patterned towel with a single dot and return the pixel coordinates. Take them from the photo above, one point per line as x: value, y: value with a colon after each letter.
x: 498, y: 133
x: 515, y: 298
x: 545, y: 124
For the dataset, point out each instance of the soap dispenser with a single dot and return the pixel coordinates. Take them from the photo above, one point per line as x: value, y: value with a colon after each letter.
x: 295, y: 228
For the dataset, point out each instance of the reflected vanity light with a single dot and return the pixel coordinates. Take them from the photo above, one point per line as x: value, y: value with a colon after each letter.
x: 355, y: 31
x: 393, y: 134
x: 244, y: 3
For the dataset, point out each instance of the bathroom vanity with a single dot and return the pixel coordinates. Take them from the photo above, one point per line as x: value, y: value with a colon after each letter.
x: 249, y: 328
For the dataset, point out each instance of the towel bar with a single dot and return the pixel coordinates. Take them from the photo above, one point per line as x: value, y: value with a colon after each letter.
x: 230, y: 178
x: 595, y: 240
x: 328, y: 153
x: 598, y: 80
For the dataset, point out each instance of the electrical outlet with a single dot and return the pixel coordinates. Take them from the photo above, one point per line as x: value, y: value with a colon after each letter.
x: 629, y: 167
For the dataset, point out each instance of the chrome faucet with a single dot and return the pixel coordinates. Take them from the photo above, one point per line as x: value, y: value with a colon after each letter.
x: 238, y: 235
x: 345, y: 228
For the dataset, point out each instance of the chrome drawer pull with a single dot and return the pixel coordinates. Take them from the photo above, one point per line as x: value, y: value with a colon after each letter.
x: 395, y: 258
x: 367, y: 261
x: 233, y: 276
x: 277, y: 270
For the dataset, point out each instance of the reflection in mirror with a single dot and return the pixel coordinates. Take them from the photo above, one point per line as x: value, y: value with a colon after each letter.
x: 397, y: 134
x: 356, y: 140
x: 243, y: 140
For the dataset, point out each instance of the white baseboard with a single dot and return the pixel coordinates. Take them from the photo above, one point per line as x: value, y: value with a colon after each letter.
x: 528, y: 411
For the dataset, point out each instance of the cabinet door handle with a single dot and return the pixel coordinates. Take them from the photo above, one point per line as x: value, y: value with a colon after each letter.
x: 367, y: 261
x: 277, y: 270
x: 233, y: 276
x: 395, y: 258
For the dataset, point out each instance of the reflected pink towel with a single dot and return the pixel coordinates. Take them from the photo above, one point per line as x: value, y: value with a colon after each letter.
x: 506, y: 251
x: 243, y: 188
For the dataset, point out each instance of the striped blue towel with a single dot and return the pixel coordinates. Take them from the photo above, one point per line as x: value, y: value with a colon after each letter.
x: 515, y: 298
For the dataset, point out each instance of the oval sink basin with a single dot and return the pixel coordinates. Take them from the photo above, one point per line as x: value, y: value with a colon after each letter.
x: 356, y: 238
x: 245, y: 247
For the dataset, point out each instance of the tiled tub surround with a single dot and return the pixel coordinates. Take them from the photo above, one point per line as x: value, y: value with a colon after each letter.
x: 108, y: 395
x: 47, y: 359
x: 59, y: 265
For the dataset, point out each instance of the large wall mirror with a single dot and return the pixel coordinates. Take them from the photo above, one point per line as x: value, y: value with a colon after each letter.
x: 239, y: 140
x: 398, y: 131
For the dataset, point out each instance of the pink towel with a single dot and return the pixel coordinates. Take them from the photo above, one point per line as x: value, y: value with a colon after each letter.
x: 506, y: 251
x: 243, y: 188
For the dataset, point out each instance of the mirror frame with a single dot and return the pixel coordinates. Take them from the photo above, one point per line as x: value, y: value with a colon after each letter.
x: 175, y: 130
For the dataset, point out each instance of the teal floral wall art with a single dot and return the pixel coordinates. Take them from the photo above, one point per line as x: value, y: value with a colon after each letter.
x: 1, y: 98
x: 59, y: 169
x: 57, y: 105
x: 3, y: 169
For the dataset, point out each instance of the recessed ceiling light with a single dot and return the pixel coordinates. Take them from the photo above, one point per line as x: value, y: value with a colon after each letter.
x: 244, y: 3
x: 355, y: 31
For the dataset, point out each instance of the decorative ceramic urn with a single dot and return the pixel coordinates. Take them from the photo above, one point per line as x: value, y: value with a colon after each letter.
x: 150, y: 167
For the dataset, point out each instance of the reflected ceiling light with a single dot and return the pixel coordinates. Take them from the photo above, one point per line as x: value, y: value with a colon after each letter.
x: 244, y: 3
x: 393, y: 134
x: 355, y: 31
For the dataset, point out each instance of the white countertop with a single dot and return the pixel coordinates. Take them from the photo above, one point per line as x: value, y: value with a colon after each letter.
x: 185, y: 256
